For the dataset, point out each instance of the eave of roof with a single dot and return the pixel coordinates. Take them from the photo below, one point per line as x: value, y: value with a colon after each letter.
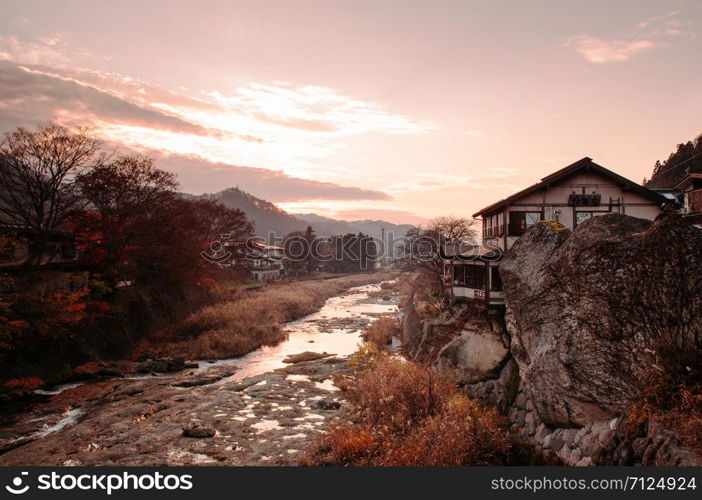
x: 687, y: 180
x: 472, y: 252
x: 582, y: 164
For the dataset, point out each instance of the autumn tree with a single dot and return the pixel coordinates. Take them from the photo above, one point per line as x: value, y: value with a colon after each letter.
x: 127, y: 196
x: 352, y: 253
x: 139, y: 226
x: 38, y: 192
x: 451, y: 228
x: 294, y: 251
x: 223, y: 223
x: 311, y: 259
x: 422, y: 254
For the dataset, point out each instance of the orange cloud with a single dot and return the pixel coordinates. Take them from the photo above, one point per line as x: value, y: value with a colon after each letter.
x: 649, y: 34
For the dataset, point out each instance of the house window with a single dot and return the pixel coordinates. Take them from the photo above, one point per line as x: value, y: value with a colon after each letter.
x: 466, y: 275
x: 475, y: 277
x: 519, y: 222
x: 493, y: 226
x: 459, y: 274
x: 495, y: 279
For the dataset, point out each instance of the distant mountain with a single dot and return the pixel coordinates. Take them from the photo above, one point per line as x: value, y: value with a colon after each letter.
x: 325, y: 226
x: 267, y: 217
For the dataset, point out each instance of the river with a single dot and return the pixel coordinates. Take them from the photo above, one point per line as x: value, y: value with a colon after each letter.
x: 261, y: 409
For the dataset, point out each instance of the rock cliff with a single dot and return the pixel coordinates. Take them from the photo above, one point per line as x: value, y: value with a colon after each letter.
x: 588, y: 312
x: 584, y: 309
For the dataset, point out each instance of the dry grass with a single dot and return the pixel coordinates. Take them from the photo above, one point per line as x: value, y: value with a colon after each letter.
x: 387, y: 288
x: 406, y: 415
x: 250, y: 320
x: 382, y: 330
x: 673, y: 396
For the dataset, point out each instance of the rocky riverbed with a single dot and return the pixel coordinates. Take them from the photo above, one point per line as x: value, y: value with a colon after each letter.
x: 263, y: 408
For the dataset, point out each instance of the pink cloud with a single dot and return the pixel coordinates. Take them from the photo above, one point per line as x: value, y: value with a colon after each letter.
x: 601, y: 51
x: 649, y: 34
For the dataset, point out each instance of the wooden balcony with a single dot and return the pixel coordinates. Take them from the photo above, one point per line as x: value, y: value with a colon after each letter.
x: 493, y: 232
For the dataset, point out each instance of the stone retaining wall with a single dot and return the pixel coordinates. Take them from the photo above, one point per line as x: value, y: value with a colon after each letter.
x: 607, y: 442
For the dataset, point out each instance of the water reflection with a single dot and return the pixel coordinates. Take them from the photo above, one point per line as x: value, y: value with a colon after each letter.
x: 334, y: 329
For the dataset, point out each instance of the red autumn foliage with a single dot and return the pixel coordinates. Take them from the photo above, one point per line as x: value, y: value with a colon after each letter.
x: 23, y: 384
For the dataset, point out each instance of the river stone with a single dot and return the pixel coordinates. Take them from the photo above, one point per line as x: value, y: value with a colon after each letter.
x: 199, y: 431
x: 325, y: 404
x: 574, y: 303
x: 305, y: 356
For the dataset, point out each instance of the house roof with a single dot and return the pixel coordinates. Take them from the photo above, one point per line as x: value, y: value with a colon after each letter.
x: 687, y: 181
x: 584, y: 164
x: 467, y: 251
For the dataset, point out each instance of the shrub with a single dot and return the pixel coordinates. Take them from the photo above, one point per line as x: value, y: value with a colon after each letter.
x: 382, y: 330
x: 398, y: 394
x: 463, y: 433
x: 351, y: 444
x: 406, y: 415
x: 674, y: 398
x: 23, y: 384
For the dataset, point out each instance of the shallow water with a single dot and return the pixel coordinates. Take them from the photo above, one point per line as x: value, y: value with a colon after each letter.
x: 354, y: 308
x: 334, y: 329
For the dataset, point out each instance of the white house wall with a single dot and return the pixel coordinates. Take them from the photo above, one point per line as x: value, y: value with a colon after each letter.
x: 554, y: 202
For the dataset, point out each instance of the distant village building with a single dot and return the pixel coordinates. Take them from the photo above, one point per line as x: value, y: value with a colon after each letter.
x: 682, y: 184
x: 16, y: 244
x: 569, y: 196
x: 263, y: 262
x: 690, y: 197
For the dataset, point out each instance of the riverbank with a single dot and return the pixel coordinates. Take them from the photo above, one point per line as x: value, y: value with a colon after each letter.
x: 266, y: 419
x: 257, y: 409
x: 251, y: 320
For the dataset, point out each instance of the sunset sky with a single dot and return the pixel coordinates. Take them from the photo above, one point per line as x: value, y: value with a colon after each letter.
x: 400, y: 110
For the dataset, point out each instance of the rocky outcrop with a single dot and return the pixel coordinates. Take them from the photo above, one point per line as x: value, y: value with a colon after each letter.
x: 463, y: 340
x: 587, y: 313
x: 584, y: 309
x: 477, y: 354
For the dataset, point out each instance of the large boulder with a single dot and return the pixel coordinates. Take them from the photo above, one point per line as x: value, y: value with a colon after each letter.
x: 585, y: 310
x: 477, y: 354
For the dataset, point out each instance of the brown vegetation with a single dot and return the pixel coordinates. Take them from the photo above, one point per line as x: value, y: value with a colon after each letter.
x: 406, y: 415
x: 239, y: 326
x: 674, y: 399
x: 382, y: 330
x: 20, y: 385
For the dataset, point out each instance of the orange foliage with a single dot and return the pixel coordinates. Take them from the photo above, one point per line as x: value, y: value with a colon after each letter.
x: 208, y: 282
x: 406, y: 415
x: 69, y: 307
x: 352, y: 444
x: 673, y: 398
x: 18, y: 323
x: 88, y: 368
x: 23, y: 384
